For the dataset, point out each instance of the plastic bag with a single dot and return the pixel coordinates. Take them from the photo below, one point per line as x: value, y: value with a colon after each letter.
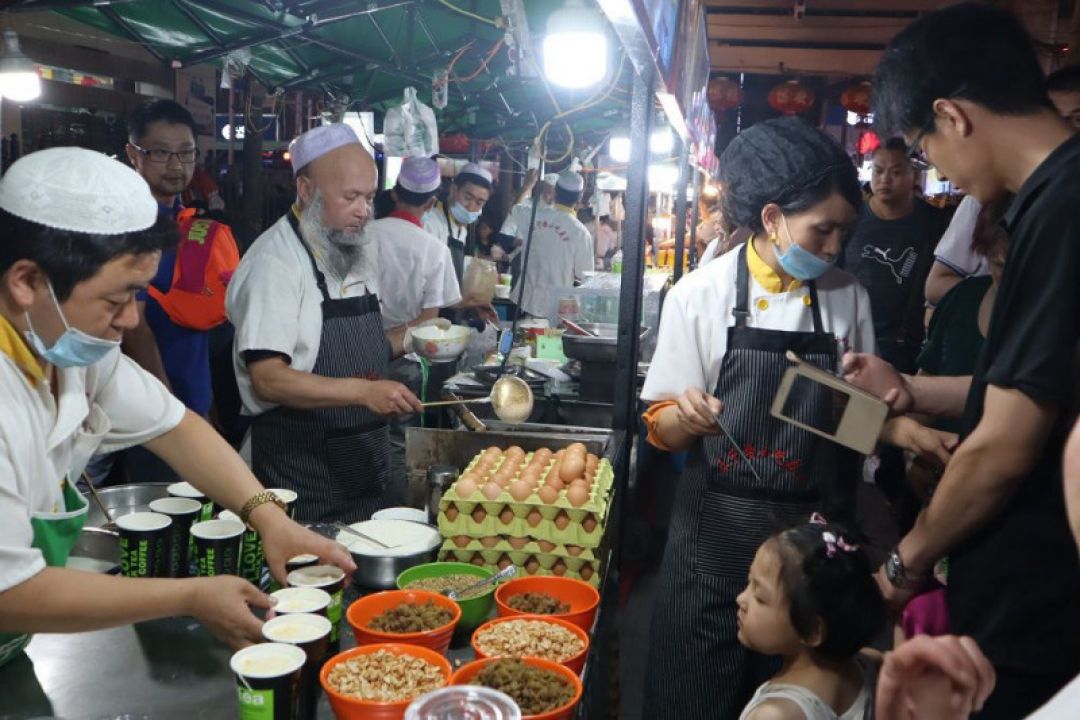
x: 480, y: 280
x: 410, y: 129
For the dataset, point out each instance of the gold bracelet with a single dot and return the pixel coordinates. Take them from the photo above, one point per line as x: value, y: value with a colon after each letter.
x: 256, y: 500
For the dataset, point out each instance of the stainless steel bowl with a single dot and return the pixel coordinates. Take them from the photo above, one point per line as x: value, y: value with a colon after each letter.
x: 601, y: 348
x: 124, y: 500
x: 378, y: 572
x: 100, y: 549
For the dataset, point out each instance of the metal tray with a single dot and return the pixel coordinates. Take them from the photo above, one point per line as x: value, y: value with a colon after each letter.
x: 603, y: 348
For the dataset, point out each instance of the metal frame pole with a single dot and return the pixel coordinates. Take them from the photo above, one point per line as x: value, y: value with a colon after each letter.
x: 695, y: 217
x: 680, y: 207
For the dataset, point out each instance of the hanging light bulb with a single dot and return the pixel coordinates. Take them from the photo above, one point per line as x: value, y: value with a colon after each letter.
x: 19, y: 80
x: 575, y: 47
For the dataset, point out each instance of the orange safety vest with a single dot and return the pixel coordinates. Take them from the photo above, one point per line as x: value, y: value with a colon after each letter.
x: 205, y: 262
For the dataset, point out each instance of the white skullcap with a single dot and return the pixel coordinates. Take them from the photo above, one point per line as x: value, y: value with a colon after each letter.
x: 318, y: 141
x: 551, y: 179
x: 70, y: 188
x: 419, y: 174
x: 571, y: 181
x: 477, y: 170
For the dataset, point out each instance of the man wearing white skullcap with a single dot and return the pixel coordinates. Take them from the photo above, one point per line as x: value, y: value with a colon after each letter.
x: 561, y: 251
x: 516, y: 224
x: 81, y: 237
x: 452, y: 218
x: 311, y: 356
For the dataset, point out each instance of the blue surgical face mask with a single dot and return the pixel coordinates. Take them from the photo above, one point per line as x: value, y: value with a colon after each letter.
x: 462, y: 215
x: 799, y: 263
x: 73, y: 348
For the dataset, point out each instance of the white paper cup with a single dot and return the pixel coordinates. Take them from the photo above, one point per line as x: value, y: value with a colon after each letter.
x: 187, y: 490
x: 301, y: 600
x: 217, y: 546
x: 252, y: 556
x: 143, y: 537
x: 184, y: 512
x: 268, y: 679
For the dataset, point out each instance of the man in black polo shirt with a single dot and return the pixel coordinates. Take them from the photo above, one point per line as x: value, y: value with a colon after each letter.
x: 963, y: 86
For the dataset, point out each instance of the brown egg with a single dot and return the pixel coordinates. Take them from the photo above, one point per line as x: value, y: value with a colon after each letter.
x: 559, y: 455
x: 451, y: 512
x: 533, y: 518
x: 548, y: 494
x: 449, y: 556
x: 504, y: 561
x: 586, y: 572
x: 518, y: 542
x: 492, y: 490
x: 520, y: 489
x: 555, y: 482
x: 493, y: 451
x: 577, y: 493
x: 589, y: 523
x: 531, y: 476
x: 477, y: 559
x: 572, y: 467
x: 577, y: 448
x: 514, y: 451
x: 562, y: 520
x: 506, y: 516
x: 546, y: 545
x: 591, y: 461
x: 574, y: 550
x: 532, y: 565
x: 490, y: 541
x: 559, y: 568
x: 465, y: 487
x: 544, y: 453
x: 478, y: 514
x: 461, y: 540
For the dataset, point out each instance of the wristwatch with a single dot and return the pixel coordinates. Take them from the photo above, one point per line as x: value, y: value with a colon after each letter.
x: 261, y: 498
x: 897, y: 574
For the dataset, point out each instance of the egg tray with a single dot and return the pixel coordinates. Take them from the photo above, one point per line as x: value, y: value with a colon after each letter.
x: 530, y: 548
x: 542, y: 571
x: 597, y: 502
x: 545, y: 529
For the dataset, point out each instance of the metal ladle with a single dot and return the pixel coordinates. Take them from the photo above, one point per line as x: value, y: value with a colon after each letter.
x: 511, y: 398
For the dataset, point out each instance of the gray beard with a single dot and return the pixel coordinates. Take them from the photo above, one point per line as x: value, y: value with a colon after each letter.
x: 342, y: 252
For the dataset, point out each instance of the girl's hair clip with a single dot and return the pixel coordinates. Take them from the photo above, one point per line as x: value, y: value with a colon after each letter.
x: 832, y: 540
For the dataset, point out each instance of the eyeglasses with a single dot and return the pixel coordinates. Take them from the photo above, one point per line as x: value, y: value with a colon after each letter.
x: 162, y: 156
x: 914, y: 150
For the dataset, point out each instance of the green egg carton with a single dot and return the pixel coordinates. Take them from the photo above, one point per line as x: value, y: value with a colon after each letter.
x: 593, y: 580
x: 572, y: 534
x: 530, y: 548
x: 597, y: 501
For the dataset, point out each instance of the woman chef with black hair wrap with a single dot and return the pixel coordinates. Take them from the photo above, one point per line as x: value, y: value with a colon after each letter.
x: 723, y: 338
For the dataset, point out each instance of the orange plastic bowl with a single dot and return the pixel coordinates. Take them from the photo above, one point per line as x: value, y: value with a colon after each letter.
x: 363, y: 611
x: 466, y: 674
x: 582, y: 597
x: 349, y: 708
x: 575, y: 663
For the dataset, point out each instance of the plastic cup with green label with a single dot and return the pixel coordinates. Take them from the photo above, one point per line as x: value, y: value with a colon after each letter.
x: 310, y: 633
x: 142, y: 544
x: 218, y: 544
x: 330, y: 579
x: 268, y: 680
x: 183, y: 512
x: 252, y: 557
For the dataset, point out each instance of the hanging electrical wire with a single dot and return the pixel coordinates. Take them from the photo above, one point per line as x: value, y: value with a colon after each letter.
x: 498, y: 22
x: 483, y: 63
x: 274, y: 111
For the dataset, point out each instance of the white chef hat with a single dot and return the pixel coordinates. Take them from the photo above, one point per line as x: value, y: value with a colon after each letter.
x: 419, y: 175
x: 570, y: 181
x: 316, y: 142
x: 551, y: 179
x: 476, y: 174
x: 71, y: 188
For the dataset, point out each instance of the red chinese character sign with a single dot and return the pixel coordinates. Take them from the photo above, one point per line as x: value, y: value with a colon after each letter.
x: 791, y: 98
x: 723, y: 94
x: 856, y: 98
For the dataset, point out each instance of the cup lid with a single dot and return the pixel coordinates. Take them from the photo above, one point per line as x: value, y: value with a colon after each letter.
x: 143, y: 521
x: 463, y: 702
x: 267, y: 660
x: 300, y: 600
x: 175, y: 505
x: 217, y: 529
x: 316, y: 576
x: 184, y: 489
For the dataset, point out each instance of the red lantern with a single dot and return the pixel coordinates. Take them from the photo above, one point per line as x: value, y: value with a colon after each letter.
x: 723, y: 94
x: 868, y: 142
x: 856, y: 98
x: 791, y: 98
x: 458, y: 143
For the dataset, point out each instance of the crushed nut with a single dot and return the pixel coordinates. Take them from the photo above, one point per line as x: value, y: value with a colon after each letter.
x: 531, y: 638
x: 385, y: 677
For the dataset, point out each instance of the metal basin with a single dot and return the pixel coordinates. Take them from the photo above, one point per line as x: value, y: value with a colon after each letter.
x: 97, y: 550
x: 378, y: 572
x: 603, y: 348
x: 124, y: 500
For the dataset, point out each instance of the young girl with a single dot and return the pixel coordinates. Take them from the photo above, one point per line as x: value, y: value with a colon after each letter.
x: 811, y: 599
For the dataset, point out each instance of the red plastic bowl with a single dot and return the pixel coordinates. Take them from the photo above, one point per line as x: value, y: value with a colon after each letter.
x: 363, y: 611
x: 466, y: 674
x: 349, y: 708
x: 582, y: 597
x: 575, y: 663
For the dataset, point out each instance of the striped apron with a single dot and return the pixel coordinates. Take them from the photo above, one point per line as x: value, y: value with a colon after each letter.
x: 335, y: 459
x: 697, y: 669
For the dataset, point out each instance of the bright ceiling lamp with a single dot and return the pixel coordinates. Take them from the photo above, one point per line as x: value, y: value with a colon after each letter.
x: 575, y: 46
x: 661, y: 142
x: 619, y: 149
x: 19, y: 80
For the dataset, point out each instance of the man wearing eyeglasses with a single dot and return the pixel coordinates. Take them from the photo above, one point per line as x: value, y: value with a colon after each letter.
x: 186, y: 298
x: 965, y: 88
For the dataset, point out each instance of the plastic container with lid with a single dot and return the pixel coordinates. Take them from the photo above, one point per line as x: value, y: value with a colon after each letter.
x: 463, y: 702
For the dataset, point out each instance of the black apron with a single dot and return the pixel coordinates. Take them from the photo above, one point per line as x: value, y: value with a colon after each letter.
x: 336, y: 459
x: 697, y: 668
x: 457, y: 247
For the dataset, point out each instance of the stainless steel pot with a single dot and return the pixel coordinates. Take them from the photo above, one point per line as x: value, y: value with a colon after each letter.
x: 124, y: 500
x: 602, y: 348
x: 101, y: 548
x: 379, y: 572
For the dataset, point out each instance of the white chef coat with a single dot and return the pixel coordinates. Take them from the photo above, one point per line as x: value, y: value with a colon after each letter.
x: 517, y: 220
x: 697, y: 315
x: 275, y: 304
x: 561, y: 252
x: 434, y: 222
x: 109, y: 406
x: 415, y: 270
x: 954, y: 249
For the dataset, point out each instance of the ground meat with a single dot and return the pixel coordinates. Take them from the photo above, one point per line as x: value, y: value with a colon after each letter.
x: 410, y: 618
x: 534, y: 689
x: 538, y: 604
